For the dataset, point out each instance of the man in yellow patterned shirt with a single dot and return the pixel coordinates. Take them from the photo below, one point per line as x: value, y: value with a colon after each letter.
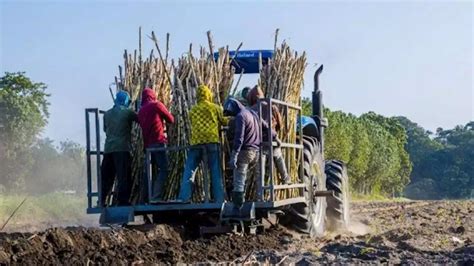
x: 206, y: 121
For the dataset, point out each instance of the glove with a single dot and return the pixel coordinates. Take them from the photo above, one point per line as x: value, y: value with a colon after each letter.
x: 278, y: 141
x: 233, y: 160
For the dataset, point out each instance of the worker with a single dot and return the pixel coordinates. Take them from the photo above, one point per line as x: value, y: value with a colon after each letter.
x: 153, y: 116
x: 207, y: 118
x: 116, y: 162
x: 253, y: 96
x: 245, y: 146
x: 243, y: 96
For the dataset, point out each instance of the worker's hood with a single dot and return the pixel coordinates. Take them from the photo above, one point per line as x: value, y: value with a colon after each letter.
x: 254, y: 94
x: 203, y: 93
x: 232, y: 107
x: 245, y: 92
x: 148, y: 95
x: 122, y: 99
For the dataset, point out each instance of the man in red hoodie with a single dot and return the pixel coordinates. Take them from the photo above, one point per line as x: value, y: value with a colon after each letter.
x: 152, y: 117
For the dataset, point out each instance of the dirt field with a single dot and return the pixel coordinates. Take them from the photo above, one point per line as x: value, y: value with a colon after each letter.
x: 397, y: 232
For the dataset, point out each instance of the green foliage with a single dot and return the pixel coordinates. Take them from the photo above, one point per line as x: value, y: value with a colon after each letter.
x: 391, y: 156
x: 338, y: 136
x: 56, y: 168
x: 23, y: 114
x: 360, y: 155
x: 373, y: 146
x: 29, y: 164
x: 398, y: 166
x: 306, y: 108
x: 443, y: 164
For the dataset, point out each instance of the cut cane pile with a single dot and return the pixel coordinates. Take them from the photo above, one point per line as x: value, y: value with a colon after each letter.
x: 175, y: 84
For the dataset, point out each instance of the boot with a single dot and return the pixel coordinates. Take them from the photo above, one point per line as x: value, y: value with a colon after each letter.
x: 281, y: 167
x: 238, y: 199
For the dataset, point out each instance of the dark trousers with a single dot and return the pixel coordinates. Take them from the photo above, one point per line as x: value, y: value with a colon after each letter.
x: 116, y: 164
x: 160, y: 160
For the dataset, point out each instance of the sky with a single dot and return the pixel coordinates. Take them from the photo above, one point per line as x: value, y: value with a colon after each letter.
x: 392, y: 57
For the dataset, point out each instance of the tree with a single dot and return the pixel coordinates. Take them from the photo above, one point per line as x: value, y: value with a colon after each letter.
x: 306, y: 107
x: 56, y: 168
x: 73, y: 165
x: 360, y: 155
x: 398, y: 139
x: 338, y: 143
x: 443, y: 165
x: 23, y: 115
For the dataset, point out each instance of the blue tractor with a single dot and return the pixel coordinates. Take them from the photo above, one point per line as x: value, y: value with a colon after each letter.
x: 322, y: 200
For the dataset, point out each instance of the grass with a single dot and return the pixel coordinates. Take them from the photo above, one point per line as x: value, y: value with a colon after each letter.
x: 52, y: 208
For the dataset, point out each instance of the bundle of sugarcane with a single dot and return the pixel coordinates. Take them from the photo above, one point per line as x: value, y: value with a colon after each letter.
x: 189, y: 73
x: 175, y: 85
x: 282, y: 78
x: 141, y: 73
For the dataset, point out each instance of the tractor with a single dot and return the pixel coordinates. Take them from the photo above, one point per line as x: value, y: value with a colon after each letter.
x: 322, y: 200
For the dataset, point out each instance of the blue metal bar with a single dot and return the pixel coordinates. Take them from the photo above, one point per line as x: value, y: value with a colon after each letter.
x: 94, y: 210
x: 88, y: 161
x: 270, y: 154
x: 261, y: 164
x: 97, y: 139
x: 206, y: 175
x: 148, y: 171
x: 203, y: 206
x: 301, y: 150
x: 206, y: 171
x: 178, y: 207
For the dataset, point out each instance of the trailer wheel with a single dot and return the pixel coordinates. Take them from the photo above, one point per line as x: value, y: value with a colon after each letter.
x: 338, y: 205
x: 309, y: 217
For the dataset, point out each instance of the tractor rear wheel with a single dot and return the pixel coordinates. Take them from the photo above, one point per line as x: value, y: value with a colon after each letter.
x: 337, y: 181
x: 309, y: 217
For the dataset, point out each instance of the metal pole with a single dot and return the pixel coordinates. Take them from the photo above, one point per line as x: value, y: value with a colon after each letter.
x: 206, y: 175
x: 148, y: 171
x: 97, y: 140
x: 270, y: 154
x: 88, y: 161
x: 260, y: 191
x: 301, y: 149
x: 287, y: 153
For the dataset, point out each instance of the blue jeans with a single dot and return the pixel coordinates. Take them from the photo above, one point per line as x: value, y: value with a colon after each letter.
x: 246, y: 160
x: 195, y: 157
x: 160, y: 160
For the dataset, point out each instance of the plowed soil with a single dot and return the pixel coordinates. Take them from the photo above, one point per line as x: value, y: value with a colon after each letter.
x: 396, y: 232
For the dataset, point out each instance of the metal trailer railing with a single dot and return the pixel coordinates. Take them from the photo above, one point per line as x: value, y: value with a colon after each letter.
x: 95, y: 112
x: 260, y: 203
x: 269, y: 145
x: 148, y: 167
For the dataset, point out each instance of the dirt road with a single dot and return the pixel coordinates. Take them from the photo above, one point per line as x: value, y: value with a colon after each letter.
x: 397, y: 232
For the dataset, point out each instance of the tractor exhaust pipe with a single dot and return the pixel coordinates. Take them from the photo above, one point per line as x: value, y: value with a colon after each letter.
x: 318, y: 114
x: 317, y: 95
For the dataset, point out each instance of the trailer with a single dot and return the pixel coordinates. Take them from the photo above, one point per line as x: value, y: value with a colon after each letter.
x: 322, y: 198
